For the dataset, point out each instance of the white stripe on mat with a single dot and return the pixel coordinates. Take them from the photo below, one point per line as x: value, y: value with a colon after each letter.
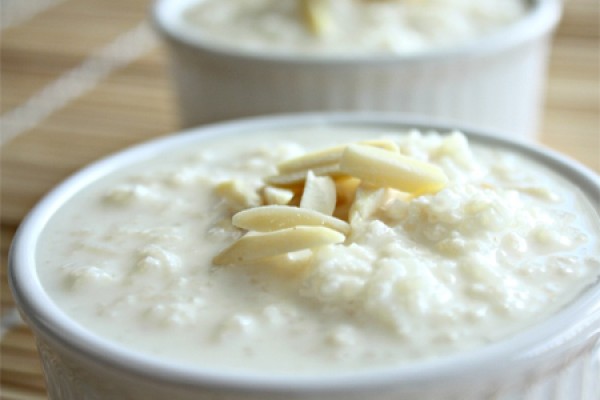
x: 16, y: 12
x: 124, y: 50
x: 11, y: 319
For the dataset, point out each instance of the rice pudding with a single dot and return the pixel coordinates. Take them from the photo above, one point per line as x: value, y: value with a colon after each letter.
x: 348, y: 26
x: 393, y: 274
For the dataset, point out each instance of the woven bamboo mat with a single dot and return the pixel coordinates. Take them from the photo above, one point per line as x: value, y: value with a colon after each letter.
x: 83, y: 78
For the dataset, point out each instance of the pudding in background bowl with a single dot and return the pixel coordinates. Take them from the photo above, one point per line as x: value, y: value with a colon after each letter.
x: 413, y: 260
x: 359, y: 28
x: 483, y: 63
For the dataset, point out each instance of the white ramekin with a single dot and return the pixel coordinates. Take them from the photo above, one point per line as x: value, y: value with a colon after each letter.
x: 557, y: 359
x: 496, y: 82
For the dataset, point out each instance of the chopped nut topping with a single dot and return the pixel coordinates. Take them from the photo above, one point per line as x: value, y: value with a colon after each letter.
x: 298, y: 177
x: 334, y: 185
x: 238, y: 194
x: 256, y: 246
x: 279, y: 196
x: 319, y: 194
x: 327, y: 157
x: 271, y: 218
x: 383, y: 168
x: 316, y: 15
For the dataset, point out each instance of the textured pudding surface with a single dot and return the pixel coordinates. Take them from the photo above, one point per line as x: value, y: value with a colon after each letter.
x: 506, y: 243
x: 348, y: 26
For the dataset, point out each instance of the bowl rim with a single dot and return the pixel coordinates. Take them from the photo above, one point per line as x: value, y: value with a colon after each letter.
x: 542, y: 341
x: 542, y: 18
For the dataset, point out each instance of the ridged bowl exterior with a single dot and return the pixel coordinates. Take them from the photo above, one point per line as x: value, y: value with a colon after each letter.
x: 573, y: 376
x: 502, y: 91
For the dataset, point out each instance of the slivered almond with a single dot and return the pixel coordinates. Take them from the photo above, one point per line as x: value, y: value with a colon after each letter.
x: 387, y: 169
x: 295, y: 178
x: 384, y: 144
x: 279, y: 196
x: 271, y: 218
x: 316, y: 15
x: 239, y: 194
x: 255, y: 246
x: 319, y: 194
x: 289, y: 264
x: 346, y: 188
x: 329, y: 156
x: 367, y: 200
x: 312, y: 160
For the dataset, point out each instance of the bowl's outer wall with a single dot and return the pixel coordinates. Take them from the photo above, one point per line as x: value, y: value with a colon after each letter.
x: 502, y: 91
x: 573, y: 376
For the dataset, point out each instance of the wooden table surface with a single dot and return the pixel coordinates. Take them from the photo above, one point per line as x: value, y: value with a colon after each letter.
x: 83, y: 78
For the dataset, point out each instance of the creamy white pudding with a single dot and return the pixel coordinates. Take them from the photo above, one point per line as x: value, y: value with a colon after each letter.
x: 348, y: 26
x: 502, y: 245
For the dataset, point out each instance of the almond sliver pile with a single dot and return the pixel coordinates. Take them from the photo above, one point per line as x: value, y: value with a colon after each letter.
x: 317, y: 15
x: 308, y: 203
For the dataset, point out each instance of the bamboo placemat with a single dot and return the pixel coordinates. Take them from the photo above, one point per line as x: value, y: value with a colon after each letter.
x: 73, y: 90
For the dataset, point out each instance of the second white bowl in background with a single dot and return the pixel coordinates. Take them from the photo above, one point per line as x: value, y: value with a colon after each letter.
x: 496, y: 82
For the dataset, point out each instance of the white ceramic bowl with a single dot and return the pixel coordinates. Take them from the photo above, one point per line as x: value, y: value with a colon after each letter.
x: 556, y: 359
x: 496, y: 82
